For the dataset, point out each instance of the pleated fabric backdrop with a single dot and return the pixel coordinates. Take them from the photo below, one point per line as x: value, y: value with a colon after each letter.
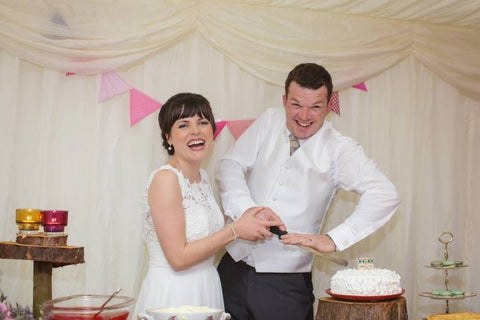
x: 62, y: 149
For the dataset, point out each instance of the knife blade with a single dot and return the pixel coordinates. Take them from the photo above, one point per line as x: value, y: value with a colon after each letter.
x: 276, y: 230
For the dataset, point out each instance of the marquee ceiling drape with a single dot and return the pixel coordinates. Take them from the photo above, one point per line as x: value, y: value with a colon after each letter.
x: 356, y: 40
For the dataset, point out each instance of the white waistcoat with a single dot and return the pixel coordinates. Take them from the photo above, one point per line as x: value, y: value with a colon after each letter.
x: 282, y: 182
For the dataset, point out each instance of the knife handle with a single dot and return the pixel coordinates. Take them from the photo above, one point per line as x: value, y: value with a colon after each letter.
x: 276, y: 230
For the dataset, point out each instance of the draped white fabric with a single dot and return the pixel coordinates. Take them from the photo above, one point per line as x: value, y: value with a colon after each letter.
x: 356, y: 41
x: 61, y: 149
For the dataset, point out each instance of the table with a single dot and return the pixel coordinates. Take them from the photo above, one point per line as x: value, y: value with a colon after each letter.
x: 44, y: 258
x: 336, y: 309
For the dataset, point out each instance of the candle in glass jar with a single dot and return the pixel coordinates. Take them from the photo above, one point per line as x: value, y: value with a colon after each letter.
x: 28, y: 220
x: 54, y: 220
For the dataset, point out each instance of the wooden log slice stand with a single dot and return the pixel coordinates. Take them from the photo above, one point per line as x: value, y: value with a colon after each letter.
x: 47, y: 252
x: 335, y: 309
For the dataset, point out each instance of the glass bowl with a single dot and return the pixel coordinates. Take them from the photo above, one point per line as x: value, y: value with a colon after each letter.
x: 83, y: 307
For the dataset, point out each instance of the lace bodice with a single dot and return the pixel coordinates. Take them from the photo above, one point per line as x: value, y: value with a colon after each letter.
x: 202, y: 214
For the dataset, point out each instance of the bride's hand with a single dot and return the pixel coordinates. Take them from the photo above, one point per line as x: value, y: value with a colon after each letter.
x: 254, y: 226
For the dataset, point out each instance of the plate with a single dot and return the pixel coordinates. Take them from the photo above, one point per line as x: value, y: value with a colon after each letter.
x: 364, y: 298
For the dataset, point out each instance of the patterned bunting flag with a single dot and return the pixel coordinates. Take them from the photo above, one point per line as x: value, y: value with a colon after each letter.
x: 238, y: 127
x: 334, y: 104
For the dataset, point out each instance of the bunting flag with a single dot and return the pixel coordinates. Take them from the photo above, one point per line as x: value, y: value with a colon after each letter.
x: 220, y: 126
x: 68, y: 74
x: 141, y: 106
x: 238, y: 127
x: 361, y: 86
x: 334, y: 104
x: 112, y: 85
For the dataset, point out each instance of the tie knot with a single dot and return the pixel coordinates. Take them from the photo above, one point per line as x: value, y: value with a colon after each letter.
x: 294, y: 143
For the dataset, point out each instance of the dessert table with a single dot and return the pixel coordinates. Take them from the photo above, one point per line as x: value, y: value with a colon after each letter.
x: 336, y: 309
x: 45, y: 257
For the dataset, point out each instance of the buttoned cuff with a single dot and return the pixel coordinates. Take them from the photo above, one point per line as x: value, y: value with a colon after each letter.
x: 334, y: 243
x: 342, y: 236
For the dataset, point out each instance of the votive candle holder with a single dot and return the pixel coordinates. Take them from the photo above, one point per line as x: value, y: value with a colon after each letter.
x: 54, y: 221
x: 28, y: 220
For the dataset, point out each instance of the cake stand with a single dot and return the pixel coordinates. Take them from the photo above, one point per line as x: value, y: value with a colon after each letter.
x: 445, y: 238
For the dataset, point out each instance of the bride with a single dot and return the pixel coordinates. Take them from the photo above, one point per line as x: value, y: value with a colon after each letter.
x: 184, y: 226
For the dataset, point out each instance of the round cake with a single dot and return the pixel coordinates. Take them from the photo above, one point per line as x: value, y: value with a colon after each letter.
x: 366, y: 282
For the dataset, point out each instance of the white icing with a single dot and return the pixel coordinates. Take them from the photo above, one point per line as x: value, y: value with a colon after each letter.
x: 366, y: 282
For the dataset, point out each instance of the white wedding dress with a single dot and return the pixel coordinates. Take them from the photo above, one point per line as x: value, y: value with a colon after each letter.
x: 200, y: 284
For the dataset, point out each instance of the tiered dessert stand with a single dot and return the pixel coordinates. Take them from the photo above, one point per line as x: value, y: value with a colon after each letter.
x: 445, y: 238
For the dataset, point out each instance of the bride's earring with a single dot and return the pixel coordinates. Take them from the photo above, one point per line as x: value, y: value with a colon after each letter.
x: 170, y: 147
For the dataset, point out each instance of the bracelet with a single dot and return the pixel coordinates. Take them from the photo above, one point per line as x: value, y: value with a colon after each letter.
x: 233, y: 231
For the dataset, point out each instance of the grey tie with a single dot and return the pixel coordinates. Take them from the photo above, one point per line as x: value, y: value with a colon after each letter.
x: 294, y: 143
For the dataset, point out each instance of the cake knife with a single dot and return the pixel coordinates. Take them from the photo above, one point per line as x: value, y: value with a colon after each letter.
x: 276, y: 230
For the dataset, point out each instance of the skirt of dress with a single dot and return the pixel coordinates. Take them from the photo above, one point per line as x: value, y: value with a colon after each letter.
x: 164, y: 287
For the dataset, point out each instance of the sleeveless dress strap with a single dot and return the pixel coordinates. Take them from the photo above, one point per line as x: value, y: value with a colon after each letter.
x: 181, y: 179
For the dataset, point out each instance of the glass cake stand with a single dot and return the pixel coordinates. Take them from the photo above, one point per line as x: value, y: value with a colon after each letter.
x: 445, y: 238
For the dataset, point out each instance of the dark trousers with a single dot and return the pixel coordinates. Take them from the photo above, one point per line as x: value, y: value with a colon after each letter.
x: 249, y: 295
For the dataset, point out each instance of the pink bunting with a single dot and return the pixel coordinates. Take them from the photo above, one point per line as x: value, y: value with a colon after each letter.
x: 220, y: 126
x: 68, y: 74
x: 112, y: 85
x: 334, y: 104
x: 141, y: 106
x: 361, y: 86
x: 238, y: 127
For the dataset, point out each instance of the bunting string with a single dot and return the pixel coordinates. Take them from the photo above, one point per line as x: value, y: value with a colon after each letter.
x: 142, y: 105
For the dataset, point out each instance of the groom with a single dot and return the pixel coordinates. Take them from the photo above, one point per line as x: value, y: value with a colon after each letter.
x: 291, y: 161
